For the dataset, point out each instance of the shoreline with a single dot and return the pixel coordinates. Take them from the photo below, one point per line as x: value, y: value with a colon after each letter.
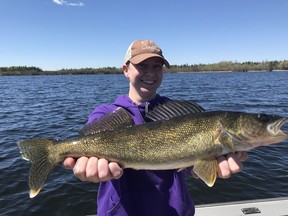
x: 57, y: 73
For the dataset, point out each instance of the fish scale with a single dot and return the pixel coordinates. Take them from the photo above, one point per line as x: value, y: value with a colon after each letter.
x: 170, y: 142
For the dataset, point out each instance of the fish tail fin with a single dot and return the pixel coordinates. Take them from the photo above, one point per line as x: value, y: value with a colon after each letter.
x: 37, y: 152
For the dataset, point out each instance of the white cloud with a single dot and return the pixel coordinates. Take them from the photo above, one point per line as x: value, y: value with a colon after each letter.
x: 63, y: 2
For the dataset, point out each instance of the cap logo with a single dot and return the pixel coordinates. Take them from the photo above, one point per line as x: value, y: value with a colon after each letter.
x: 146, y: 45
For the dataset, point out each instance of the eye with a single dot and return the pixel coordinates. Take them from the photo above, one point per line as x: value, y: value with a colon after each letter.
x: 142, y: 65
x: 263, y: 117
x: 158, y: 66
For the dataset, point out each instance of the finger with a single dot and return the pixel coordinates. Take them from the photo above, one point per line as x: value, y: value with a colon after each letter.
x: 242, y: 156
x: 92, y: 170
x: 234, y: 163
x: 223, y: 167
x: 80, y: 168
x: 69, y: 163
x: 103, y: 170
x: 115, y: 170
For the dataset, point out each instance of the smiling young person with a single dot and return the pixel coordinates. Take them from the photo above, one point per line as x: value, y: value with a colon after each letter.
x: 142, y: 192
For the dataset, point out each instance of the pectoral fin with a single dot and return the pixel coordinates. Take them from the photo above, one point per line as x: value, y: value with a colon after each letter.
x: 206, y: 170
x: 223, y: 137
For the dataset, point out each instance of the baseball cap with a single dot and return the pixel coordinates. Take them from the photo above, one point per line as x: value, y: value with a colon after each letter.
x: 141, y: 50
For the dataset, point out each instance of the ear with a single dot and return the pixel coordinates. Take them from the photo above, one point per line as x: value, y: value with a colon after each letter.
x: 125, y: 70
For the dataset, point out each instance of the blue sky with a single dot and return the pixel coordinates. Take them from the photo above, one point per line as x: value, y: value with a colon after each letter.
x: 56, y: 34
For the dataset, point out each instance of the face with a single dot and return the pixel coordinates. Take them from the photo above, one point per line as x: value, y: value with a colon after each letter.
x: 145, y: 78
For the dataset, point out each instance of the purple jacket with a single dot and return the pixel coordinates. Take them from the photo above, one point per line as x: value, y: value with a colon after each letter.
x: 142, y: 192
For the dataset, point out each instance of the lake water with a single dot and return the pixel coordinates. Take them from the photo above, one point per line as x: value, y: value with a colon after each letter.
x: 58, y: 106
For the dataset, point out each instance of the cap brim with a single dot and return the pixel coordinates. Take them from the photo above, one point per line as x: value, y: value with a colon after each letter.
x: 141, y: 57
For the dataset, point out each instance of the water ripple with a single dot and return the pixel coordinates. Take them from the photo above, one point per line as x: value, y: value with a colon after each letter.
x: 58, y: 107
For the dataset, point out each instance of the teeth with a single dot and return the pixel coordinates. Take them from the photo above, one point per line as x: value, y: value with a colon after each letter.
x: 148, y: 82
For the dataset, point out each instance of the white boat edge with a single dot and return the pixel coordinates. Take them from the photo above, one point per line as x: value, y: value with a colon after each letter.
x: 260, y: 207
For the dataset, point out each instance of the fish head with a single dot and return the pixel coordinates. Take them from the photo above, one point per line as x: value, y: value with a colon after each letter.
x: 261, y: 129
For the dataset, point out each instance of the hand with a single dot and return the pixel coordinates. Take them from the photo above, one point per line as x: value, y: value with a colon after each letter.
x: 230, y: 163
x: 93, y: 169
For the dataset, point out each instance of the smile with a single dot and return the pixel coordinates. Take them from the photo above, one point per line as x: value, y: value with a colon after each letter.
x: 148, y: 82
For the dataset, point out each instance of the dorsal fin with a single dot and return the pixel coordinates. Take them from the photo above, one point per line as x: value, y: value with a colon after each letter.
x: 118, y: 118
x: 172, y: 109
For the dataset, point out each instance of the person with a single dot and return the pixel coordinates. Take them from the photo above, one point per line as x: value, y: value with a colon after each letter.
x: 142, y: 192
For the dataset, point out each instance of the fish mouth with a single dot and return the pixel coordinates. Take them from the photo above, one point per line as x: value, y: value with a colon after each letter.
x: 275, y: 128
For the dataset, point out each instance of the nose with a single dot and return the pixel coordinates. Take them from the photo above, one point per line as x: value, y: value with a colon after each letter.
x: 150, y: 70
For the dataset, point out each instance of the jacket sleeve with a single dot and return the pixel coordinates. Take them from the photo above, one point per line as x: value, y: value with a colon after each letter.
x: 100, y: 111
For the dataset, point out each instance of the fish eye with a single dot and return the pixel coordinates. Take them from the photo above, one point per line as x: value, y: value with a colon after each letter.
x: 263, y: 117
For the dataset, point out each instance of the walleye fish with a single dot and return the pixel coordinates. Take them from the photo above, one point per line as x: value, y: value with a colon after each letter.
x: 180, y: 135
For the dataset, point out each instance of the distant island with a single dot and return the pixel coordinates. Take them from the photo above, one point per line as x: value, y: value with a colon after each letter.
x: 227, y: 66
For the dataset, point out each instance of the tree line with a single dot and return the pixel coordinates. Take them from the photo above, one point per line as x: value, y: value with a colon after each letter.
x: 232, y: 66
x: 20, y: 70
x: 220, y: 66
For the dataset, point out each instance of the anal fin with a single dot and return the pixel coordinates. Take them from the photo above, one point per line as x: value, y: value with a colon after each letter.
x: 206, y: 170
